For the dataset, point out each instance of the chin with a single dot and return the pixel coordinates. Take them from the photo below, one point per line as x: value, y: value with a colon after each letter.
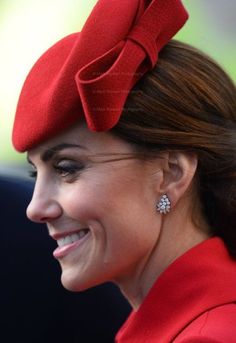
x: 75, y: 285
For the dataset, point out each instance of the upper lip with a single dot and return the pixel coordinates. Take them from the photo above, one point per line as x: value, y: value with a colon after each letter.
x: 57, y: 236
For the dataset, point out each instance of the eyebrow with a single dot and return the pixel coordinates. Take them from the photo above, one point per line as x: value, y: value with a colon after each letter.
x: 50, y: 152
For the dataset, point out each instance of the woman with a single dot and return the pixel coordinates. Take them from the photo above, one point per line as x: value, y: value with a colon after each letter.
x: 132, y: 138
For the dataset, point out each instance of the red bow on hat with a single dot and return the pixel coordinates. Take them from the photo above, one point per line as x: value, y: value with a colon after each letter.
x: 90, y: 74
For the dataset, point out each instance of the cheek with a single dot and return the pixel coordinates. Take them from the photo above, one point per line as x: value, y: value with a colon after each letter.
x: 123, y: 225
x: 119, y: 201
x: 85, y: 201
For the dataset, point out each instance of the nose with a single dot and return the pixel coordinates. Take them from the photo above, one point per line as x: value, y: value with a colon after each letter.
x: 43, y: 206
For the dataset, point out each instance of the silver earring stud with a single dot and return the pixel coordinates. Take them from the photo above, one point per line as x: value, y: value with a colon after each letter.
x: 164, y: 204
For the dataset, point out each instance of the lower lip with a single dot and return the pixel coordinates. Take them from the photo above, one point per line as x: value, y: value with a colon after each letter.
x: 61, y: 252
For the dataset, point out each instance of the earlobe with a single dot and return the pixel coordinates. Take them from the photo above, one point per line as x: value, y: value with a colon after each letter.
x: 180, y: 169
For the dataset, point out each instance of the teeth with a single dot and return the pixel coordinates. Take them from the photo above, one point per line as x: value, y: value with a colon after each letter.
x: 67, y: 240
x: 82, y: 233
x: 74, y: 237
x: 71, y: 238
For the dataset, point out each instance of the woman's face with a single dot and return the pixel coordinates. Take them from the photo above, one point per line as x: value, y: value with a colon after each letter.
x: 98, y: 206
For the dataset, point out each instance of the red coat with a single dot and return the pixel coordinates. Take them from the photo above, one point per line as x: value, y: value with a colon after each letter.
x: 193, y: 301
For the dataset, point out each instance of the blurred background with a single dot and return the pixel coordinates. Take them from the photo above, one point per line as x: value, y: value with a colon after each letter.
x: 29, y: 27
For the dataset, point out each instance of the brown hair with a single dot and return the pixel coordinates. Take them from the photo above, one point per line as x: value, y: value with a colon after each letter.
x: 188, y: 103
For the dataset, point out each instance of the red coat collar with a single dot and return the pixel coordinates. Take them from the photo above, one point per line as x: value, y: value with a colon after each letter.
x: 201, y: 279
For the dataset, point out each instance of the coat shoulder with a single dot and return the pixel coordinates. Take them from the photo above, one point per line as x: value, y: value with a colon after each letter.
x: 214, y: 326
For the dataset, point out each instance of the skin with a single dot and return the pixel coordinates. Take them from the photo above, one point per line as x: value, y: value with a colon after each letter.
x: 94, y: 183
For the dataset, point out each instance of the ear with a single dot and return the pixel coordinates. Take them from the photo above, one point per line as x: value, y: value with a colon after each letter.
x: 178, y: 173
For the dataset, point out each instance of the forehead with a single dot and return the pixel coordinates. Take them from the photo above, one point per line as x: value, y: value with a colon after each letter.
x: 84, y: 139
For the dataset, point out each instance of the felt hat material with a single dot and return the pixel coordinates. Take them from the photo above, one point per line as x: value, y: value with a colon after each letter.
x: 90, y: 74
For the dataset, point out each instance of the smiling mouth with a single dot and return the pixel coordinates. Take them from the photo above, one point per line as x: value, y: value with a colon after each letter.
x: 69, y: 239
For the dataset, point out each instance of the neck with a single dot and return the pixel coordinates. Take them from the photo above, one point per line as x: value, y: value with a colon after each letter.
x: 183, y: 236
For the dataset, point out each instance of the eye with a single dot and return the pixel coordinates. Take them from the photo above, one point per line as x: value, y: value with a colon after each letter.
x: 33, y: 172
x: 68, y: 168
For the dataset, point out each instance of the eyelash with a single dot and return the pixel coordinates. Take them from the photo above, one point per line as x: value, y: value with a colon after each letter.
x: 69, y: 169
x: 32, y: 173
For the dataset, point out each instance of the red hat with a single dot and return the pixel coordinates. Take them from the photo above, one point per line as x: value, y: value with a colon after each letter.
x: 90, y: 74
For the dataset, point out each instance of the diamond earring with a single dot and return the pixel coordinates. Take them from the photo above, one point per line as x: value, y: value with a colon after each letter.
x: 164, y: 204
